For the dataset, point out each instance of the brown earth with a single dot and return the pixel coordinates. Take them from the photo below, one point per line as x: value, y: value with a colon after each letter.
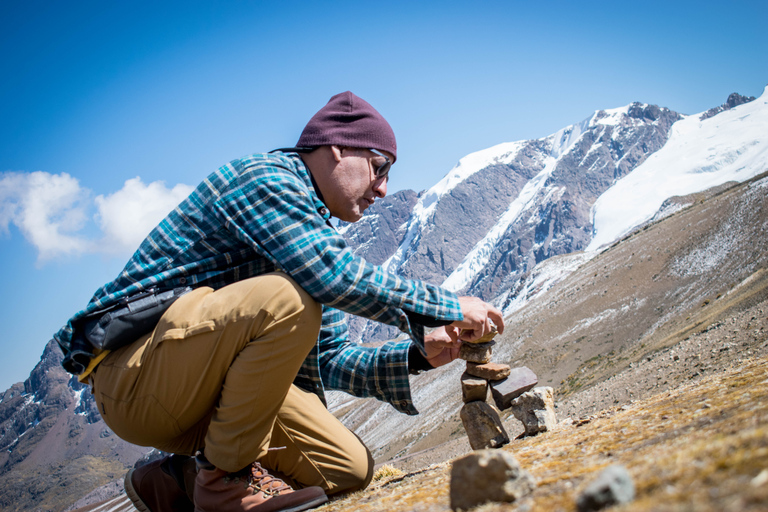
x: 701, y: 446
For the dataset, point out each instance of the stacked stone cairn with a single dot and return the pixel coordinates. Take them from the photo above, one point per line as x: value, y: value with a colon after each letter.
x: 510, y: 387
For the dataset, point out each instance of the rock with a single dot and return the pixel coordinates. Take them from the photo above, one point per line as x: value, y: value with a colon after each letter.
x: 536, y: 410
x: 477, y: 352
x: 488, y: 337
x: 520, y: 380
x: 488, y: 371
x: 473, y: 389
x: 611, y: 487
x: 488, y: 476
x: 483, y: 426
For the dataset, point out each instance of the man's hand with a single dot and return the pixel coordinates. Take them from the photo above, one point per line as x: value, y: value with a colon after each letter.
x: 442, y: 345
x: 478, y: 316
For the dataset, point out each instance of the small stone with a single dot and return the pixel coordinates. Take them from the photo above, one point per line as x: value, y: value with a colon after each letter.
x: 489, y: 371
x: 519, y: 381
x: 536, y: 410
x: 488, y: 476
x: 476, y: 352
x: 488, y: 337
x: 483, y: 426
x: 473, y: 389
x: 612, y: 486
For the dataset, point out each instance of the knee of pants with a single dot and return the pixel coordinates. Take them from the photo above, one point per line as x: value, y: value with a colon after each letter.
x: 279, y: 296
x: 357, y: 475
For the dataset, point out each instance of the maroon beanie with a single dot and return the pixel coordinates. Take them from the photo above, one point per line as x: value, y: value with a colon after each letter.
x: 347, y: 120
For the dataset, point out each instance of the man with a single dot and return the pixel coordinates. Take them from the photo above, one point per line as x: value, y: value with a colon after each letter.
x: 234, y: 370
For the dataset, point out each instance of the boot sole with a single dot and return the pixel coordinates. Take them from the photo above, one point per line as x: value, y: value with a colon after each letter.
x: 320, y: 500
x: 132, y: 494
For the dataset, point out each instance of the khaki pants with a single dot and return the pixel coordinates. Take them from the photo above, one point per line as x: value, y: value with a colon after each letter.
x: 217, y: 373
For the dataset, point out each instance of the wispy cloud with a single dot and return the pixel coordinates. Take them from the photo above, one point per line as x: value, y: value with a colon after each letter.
x: 52, y: 212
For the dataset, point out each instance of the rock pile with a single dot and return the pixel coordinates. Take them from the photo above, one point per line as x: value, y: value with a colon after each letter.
x: 510, y: 388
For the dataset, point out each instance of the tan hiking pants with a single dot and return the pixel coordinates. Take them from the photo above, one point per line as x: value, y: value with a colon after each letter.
x: 217, y: 373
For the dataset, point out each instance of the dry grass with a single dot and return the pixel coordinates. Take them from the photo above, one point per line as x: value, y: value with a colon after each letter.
x: 699, y: 447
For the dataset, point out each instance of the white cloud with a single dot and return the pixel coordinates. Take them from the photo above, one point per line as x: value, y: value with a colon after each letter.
x: 49, y: 209
x: 128, y: 215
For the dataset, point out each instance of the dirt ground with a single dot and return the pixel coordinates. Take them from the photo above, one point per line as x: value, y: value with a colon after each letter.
x: 689, y: 422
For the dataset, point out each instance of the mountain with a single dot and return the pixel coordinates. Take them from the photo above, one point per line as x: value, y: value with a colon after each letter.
x: 605, y: 244
x: 499, y: 212
x: 694, y: 283
x: 55, y: 447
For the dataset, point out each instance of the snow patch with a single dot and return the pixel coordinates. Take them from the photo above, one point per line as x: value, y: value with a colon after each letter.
x: 478, y: 257
x: 425, y: 206
x: 731, y: 146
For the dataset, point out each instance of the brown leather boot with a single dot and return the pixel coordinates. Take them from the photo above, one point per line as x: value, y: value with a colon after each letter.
x: 252, y: 489
x: 159, y: 486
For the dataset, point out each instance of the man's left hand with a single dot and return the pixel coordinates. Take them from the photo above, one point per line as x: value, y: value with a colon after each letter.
x: 442, y: 345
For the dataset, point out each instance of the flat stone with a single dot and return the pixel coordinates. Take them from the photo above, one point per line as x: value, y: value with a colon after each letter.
x: 612, y: 486
x: 488, y: 337
x: 489, y: 371
x: 473, y: 389
x: 488, y: 476
x: 477, y: 352
x: 483, y: 426
x: 520, y: 380
x: 536, y: 410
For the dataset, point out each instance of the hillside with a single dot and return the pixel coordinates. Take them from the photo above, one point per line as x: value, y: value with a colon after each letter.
x: 667, y: 282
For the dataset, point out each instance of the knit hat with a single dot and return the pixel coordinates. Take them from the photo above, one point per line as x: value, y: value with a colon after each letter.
x: 347, y: 120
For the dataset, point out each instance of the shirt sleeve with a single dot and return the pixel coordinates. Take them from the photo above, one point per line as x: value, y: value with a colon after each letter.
x: 270, y: 208
x: 378, y: 372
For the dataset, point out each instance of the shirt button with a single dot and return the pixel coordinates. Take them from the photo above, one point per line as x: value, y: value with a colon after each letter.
x: 183, y: 280
x: 403, y: 404
x: 323, y: 211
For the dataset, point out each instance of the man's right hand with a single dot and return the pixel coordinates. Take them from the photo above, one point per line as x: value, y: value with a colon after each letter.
x: 478, y: 316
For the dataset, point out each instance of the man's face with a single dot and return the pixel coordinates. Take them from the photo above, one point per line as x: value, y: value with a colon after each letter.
x: 353, y: 184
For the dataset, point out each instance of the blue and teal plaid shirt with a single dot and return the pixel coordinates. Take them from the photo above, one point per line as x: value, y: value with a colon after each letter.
x: 260, y: 214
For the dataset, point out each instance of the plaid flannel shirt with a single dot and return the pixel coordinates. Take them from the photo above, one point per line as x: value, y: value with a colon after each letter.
x: 261, y: 214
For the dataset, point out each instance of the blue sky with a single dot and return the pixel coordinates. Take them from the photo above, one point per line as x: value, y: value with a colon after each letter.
x: 111, y: 111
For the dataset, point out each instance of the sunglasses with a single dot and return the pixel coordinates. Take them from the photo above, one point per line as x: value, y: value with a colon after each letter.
x: 381, y: 171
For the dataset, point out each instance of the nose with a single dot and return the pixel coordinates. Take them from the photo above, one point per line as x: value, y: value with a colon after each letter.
x: 380, y: 187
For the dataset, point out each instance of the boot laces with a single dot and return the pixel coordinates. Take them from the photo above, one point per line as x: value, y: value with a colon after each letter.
x: 261, y: 481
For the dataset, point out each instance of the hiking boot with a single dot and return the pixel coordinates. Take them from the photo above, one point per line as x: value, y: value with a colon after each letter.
x: 160, y: 485
x: 253, y: 489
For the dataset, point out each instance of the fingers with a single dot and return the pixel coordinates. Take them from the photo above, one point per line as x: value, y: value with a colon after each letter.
x: 497, y: 318
x: 478, y: 316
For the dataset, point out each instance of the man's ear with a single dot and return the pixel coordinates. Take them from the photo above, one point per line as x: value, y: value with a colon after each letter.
x: 336, y: 152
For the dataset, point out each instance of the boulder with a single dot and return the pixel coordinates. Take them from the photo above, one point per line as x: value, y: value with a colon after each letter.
x: 488, y: 476
x: 520, y: 380
x: 483, y: 426
x: 536, y: 410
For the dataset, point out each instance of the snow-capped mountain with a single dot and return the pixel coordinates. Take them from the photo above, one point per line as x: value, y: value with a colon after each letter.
x: 499, y: 212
